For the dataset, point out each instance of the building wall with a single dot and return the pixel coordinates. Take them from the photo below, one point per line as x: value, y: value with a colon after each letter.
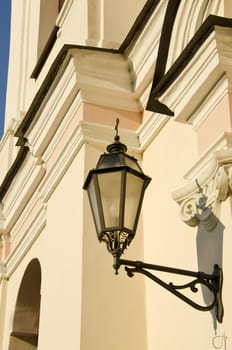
x: 60, y: 116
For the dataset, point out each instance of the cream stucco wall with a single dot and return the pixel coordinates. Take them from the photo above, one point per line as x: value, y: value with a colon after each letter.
x: 45, y: 214
x: 168, y: 241
x: 59, y: 250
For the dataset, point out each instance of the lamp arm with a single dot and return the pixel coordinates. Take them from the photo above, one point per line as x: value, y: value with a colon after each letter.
x: 213, y: 282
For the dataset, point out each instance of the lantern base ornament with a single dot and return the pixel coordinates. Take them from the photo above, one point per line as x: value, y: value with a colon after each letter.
x: 212, y: 282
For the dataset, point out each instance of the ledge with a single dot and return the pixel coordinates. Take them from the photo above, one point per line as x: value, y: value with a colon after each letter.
x: 159, y: 97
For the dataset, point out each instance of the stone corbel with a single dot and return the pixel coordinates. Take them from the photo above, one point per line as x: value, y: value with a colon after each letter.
x: 198, y: 200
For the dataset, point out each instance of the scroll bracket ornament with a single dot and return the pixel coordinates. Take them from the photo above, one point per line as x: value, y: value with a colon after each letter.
x: 199, y: 205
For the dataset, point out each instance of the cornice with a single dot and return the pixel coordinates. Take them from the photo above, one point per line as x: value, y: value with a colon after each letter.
x: 207, y: 68
x: 164, y: 45
x: 105, y: 79
x: 85, y: 77
x: 209, y: 41
x: 143, y: 53
x: 63, y: 73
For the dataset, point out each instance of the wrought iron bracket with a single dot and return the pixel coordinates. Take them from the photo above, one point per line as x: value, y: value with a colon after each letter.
x: 213, y: 283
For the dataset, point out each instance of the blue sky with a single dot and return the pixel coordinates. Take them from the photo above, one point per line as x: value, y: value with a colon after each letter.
x: 5, y: 6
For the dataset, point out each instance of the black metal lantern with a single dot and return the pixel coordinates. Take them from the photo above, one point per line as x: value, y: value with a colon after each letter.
x: 116, y: 189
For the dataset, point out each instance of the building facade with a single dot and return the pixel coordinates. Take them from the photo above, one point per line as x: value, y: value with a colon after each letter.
x: 164, y: 68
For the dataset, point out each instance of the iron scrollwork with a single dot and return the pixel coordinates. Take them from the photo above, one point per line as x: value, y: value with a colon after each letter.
x: 213, y: 283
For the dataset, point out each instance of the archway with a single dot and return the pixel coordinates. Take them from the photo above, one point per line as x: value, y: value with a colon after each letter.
x: 27, y: 310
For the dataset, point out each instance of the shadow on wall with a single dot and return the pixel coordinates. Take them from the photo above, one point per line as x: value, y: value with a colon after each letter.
x: 209, y: 249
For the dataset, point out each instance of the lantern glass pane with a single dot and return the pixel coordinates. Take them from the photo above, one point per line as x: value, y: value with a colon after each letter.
x: 110, y: 189
x: 134, y: 188
x: 132, y: 163
x: 109, y: 161
x: 93, y: 198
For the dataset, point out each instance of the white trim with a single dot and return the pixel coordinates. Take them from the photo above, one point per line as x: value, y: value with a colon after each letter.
x: 64, y: 12
x: 209, y: 103
x: 150, y: 129
x: 198, y: 80
x: 224, y: 141
x: 29, y: 237
x: 105, y: 79
x: 144, y: 51
x: 188, y: 25
x: 20, y: 192
x: 56, y: 102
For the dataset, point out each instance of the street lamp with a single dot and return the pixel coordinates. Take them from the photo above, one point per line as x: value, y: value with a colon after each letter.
x: 116, y: 189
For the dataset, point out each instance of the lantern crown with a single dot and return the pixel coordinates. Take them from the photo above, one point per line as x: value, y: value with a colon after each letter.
x: 116, y: 146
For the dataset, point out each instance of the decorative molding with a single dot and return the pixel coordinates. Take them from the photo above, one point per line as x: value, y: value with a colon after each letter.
x: 144, y: 51
x: 105, y: 79
x: 164, y: 48
x: 207, y: 67
x: 215, y: 179
x: 223, y: 142
x: 150, y: 129
x: 102, y: 78
x: 102, y: 134
x: 29, y: 236
x: 21, y: 190
x: 188, y: 25
x: 2, y: 219
x: 56, y: 103
x: 209, y: 103
x: 7, y: 155
x: 64, y: 12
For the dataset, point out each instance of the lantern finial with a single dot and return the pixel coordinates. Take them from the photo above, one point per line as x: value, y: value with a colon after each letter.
x: 116, y: 137
x: 117, y: 146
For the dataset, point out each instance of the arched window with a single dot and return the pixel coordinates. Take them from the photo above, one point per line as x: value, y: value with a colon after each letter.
x: 27, y: 310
